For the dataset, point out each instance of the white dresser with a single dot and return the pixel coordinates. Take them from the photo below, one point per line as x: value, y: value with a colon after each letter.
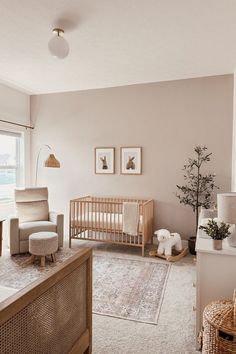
x: 216, y: 275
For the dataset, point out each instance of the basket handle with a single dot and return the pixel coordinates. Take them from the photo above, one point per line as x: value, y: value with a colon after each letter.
x: 234, y: 304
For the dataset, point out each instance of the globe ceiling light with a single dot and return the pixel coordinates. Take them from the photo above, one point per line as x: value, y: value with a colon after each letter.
x: 57, y: 45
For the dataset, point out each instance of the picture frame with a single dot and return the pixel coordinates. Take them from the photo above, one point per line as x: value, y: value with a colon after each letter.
x: 131, y: 160
x: 104, y: 160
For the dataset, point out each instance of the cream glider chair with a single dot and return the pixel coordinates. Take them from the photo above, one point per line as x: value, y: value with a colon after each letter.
x: 33, y: 215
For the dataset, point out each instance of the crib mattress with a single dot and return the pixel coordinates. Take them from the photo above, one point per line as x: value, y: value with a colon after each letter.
x: 104, y: 221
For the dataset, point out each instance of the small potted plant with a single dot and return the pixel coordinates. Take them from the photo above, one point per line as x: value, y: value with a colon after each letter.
x: 218, y: 231
x: 198, y: 188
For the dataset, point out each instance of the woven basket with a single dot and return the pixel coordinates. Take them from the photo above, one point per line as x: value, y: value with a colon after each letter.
x: 219, y: 327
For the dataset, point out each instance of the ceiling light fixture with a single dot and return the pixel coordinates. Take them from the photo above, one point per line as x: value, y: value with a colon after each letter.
x: 58, y: 46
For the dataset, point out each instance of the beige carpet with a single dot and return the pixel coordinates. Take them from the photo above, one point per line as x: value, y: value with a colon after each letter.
x: 175, y: 331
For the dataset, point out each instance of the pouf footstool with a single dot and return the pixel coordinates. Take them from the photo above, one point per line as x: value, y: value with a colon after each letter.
x: 43, y: 244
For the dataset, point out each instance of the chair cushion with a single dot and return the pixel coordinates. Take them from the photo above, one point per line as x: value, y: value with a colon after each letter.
x: 28, y: 228
x: 32, y: 211
x: 31, y: 194
x: 32, y: 204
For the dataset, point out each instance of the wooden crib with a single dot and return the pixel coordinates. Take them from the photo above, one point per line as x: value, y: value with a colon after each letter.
x: 100, y: 219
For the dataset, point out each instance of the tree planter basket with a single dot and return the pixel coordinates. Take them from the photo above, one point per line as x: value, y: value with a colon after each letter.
x: 219, y: 327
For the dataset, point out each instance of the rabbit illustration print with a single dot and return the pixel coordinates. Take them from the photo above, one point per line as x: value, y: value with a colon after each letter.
x: 104, y: 163
x: 131, y: 160
x: 130, y: 164
x: 104, y: 160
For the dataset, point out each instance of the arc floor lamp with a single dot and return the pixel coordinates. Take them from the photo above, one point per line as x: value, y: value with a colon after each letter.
x: 51, y: 161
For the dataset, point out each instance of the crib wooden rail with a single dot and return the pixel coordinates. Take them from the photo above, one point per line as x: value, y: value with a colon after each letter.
x: 101, y: 219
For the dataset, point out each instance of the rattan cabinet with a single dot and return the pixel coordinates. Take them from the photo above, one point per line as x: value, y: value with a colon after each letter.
x: 216, y: 276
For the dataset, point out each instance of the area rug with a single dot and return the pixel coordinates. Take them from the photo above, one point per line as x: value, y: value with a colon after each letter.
x: 18, y: 271
x: 122, y: 287
x: 129, y: 289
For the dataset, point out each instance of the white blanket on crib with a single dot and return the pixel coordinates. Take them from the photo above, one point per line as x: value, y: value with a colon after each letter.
x: 130, y: 218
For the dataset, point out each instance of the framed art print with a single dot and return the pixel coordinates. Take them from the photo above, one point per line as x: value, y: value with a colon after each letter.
x: 131, y: 160
x: 105, y: 160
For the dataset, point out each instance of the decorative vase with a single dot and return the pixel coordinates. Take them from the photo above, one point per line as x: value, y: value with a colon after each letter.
x: 217, y: 245
x: 192, y: 244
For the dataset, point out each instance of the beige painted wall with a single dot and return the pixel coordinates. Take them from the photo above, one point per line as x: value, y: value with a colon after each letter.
x: 14, y: 105
x: 167, y: 119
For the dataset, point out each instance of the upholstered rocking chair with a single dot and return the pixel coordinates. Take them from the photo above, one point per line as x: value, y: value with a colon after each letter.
x: 33, y: 215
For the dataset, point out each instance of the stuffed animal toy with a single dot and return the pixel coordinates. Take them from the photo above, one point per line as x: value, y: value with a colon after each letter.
x: 166, y: 241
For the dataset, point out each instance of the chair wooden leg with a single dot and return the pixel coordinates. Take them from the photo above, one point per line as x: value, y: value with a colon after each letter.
x: 143, y: 250
x: 54, y: 257
x: 42, y: 261
x: 32, y: 258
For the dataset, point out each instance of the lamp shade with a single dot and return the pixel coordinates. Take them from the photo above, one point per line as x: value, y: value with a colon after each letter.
x: 57, y: 45
x: 226, y: 205
x: 52, y: 162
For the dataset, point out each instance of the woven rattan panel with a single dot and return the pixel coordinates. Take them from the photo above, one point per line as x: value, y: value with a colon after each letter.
x: 52, y: 323
x: 219, y: 332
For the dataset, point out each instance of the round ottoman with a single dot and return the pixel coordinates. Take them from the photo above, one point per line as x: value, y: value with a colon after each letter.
x: 43, y: 244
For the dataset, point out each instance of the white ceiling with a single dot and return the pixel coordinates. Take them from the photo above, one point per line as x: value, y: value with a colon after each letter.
x: 115, y: 42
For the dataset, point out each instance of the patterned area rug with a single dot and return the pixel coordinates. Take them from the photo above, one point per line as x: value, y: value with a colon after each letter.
x: 129, y: 289
x: 18, y: 271
x: 122, y: 287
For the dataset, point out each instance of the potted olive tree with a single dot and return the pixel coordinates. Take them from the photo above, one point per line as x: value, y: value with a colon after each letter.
x: 198, y: 188
x: 218, y: 231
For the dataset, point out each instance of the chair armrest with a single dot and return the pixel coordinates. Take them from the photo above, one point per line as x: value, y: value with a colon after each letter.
x: 58, y: 219
x: 13, y: 223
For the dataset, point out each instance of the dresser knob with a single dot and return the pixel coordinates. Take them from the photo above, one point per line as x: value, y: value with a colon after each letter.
x: 194, y: 308
x: 194, y: 285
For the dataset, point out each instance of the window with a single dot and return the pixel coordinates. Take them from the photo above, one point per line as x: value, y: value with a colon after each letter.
x: 11, y: 167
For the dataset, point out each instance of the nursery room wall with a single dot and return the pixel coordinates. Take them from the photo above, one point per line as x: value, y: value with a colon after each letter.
x: 166, y: 119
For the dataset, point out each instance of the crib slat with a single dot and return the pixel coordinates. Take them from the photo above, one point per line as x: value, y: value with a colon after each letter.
x: 103, y: 224
x: 76, y: 218
x: 80, y: 218
x: 85, y: 217
x: 98, y: 225
x: 98, y: 219
x: 110, y: 216
x: 120, y: 223
x: 113, y: 221
x: 90, y: 219
x: 106, y: 217
x: 93, y: 219
x: 71, y: 223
